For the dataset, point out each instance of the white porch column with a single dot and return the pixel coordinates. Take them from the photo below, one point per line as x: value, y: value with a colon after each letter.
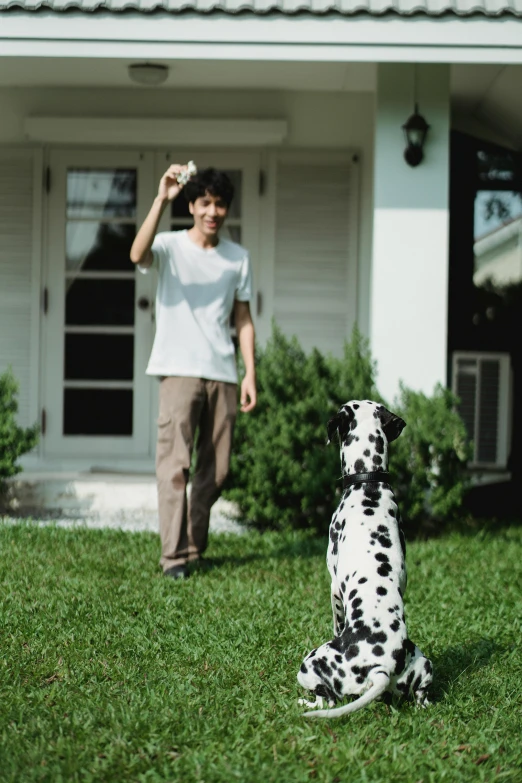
x: 408, y: 299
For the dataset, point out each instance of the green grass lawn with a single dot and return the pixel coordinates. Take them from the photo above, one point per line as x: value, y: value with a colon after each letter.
x: 110, y: 672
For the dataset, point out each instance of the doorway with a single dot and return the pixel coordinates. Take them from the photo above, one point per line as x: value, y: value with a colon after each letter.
x: 99, y: 311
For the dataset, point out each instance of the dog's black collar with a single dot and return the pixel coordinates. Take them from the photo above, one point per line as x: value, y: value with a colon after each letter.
x: 359, y: 478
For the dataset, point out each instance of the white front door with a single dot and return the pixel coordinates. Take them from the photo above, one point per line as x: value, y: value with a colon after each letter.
x: 99, y: 309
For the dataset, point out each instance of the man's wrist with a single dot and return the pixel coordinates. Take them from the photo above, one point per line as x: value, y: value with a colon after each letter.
x: 161, y: 202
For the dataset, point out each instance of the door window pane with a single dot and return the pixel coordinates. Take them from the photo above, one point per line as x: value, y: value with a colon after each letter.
x: 97, y: 412
x: 99, y: 357
x: 103, y: 193
x: 179, y: 208
x: 99, y: 302
x: 94, y: 246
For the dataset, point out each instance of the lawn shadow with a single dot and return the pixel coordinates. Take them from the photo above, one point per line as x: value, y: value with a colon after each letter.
x: 307, y: 547
x: 458, y: 660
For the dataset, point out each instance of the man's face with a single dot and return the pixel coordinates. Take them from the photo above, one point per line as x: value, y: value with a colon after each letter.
x: 209, y: 213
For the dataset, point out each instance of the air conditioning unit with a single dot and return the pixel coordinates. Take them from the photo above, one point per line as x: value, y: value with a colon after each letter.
x: 483, y: 383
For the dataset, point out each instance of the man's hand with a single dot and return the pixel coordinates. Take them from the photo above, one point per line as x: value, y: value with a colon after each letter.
x: 169, y: 187
x: 248, y: 393
x: 246, y: 338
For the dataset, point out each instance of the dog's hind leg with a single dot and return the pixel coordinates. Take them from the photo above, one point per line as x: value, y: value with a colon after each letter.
x: 339, y: 617
x: 423, y: 681
x: 416, y: 679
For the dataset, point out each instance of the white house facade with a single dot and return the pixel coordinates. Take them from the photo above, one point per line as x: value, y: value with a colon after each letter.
x: 303, y: 103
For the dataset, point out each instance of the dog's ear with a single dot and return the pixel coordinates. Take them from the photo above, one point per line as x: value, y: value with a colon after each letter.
x: 340, y: 423
x: 332, y: 427
x: 392, y: 425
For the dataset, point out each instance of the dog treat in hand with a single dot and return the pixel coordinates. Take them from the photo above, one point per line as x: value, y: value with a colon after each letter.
x: 184, y: 176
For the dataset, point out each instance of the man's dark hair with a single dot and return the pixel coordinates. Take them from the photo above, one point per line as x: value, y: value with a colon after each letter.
x: 217, y: 183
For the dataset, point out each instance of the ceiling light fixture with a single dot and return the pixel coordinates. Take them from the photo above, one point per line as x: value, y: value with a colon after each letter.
x: 150, y: 74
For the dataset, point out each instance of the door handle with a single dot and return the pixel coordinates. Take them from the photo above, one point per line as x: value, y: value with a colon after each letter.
x: 143, y: 303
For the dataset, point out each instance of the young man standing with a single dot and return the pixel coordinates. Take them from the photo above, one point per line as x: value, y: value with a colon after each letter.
x: 202, y: 279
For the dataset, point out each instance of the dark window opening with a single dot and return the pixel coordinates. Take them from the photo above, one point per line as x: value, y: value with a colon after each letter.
x: 485, y: 272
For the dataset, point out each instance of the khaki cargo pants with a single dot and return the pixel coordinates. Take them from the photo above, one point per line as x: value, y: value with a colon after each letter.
x: 185, y: 404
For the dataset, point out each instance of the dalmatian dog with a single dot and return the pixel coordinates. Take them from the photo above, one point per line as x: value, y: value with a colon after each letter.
x: 370, y: 655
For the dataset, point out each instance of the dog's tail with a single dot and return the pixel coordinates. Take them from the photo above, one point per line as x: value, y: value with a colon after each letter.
x: 380, y: 681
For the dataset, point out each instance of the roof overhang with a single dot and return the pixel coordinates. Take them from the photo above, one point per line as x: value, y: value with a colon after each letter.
x: 273, y: 37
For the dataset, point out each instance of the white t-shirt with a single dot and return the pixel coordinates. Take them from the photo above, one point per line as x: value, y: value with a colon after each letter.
x: 194, y: 300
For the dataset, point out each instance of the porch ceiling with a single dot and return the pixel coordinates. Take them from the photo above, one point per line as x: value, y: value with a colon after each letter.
x: 192, y: 74
x: 488, y: 90
x: 485, y: 94
x: 490, y: 95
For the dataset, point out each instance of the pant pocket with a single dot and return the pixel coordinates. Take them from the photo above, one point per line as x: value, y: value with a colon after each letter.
x: 164, y: 429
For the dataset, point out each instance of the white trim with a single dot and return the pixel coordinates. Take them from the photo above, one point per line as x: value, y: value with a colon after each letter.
x: 267, y: 249
x: 193, y: 36
x: 317, y: 157
x: 437, y: 52
x: 193, y: 132
x: 98, y: 385
x: 36, y: 287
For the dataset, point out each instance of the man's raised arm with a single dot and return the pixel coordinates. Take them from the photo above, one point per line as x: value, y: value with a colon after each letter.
x: 169, y: 188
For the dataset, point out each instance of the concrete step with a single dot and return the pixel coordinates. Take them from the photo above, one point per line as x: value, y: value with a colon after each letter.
x: 117, y: 500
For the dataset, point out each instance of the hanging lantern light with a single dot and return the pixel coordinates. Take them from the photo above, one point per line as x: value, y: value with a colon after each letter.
x: 415, y: 131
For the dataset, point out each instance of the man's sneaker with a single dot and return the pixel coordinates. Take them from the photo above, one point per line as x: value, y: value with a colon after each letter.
x: 176, y: 572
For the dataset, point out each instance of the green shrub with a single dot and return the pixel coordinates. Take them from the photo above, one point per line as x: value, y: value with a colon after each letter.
x: 284, y: 475
x: 14, y: 440
x: 281, y: 473
x: 428, y: 461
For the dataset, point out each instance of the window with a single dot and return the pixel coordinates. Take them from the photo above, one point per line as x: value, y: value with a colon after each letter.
x: 497, y: 236
x: 485, y: 288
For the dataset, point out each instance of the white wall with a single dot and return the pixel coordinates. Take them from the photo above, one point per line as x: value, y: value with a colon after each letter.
x: 19, y: 274
x: 321, y: 120
x: 410, y: 233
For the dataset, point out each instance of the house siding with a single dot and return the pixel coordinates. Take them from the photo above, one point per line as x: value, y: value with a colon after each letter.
x: 313, y: 264
x: 16, y: 272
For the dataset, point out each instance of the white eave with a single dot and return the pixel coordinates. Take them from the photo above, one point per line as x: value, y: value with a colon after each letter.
x: 329, y: 38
